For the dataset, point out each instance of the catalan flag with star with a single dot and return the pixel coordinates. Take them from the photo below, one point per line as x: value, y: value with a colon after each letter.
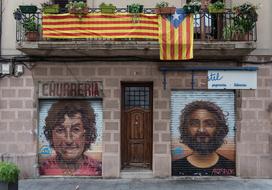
x: 176, y: 36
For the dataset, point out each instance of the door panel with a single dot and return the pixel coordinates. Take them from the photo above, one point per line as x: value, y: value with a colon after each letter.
x: 136, y: 125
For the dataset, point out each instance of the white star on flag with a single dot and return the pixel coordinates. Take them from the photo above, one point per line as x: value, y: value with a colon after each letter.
x: 176, y: 16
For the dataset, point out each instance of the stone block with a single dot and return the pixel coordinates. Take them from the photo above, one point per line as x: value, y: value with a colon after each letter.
x: 249, y: 115
x: 165, y: 137
x: 16, y: 82
x: 256, y: 104
x: 106, y: 137
x: 263, y: 93
x: 116, y: 115
x: 160, y: 148
x: 160, y: 126
x: 7, y: 115
x: 111, y: 148
x: 161, y: 104
x: 112, y: 82
x: 110, y: 166
x: 165, y: 115
x: 116, y: 137
x: 29, y: 82
x: 15, y: 103
x: 88, y: 71
x: 104, y: 71
x: 56, y: 71
x: 121, y: 71
x: 117, y: 93
x: 112, y: 126
x: 107, y: 115
x: 162, y: 166
x: 248, y: 166
x: 265, y: 167
x: 156, y: 137
x: 3, y: 104
x: 24, y: 115
x: 42, y: 71
x: 111, y: 104
x: 8, y: 93
x: 26, y: 93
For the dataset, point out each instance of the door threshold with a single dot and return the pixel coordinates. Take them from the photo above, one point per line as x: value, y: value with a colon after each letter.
x: 136, y: 173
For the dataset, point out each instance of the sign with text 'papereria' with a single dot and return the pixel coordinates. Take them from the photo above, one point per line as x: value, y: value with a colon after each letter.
x: 223, y: 79
x: 53, y: 89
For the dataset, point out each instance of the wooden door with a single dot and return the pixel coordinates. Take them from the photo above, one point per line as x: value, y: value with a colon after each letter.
x: 137, y: 122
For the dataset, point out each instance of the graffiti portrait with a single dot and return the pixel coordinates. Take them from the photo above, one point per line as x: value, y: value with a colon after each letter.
x: 66, y: 139
x: 202, y: 131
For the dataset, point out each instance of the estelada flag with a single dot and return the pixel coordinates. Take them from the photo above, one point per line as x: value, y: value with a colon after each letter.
x: 176, y: 36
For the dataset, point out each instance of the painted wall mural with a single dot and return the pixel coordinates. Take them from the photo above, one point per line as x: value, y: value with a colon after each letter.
x: 70, y: 137
x: 203, y: 133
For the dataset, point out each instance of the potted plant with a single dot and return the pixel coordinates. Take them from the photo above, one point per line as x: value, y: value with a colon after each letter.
x: 135, y: 8
x: 107, y: 8
x: 50, y: 8
x: 245, y: 16
x: 28, y: 9
x: 163, y: 8
x: 217, y: 7
x: 78, y: 8
x: 31, y: 27
x: 9, y: 174
x: 192, y: 7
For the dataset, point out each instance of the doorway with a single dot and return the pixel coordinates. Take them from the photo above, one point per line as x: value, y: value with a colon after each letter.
x: 136, y: 125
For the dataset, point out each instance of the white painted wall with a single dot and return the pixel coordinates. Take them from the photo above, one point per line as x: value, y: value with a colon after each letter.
x: 264, y: 42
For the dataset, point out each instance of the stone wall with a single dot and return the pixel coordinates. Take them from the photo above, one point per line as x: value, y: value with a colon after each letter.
x: 18, y: 113
x: 254, y: 153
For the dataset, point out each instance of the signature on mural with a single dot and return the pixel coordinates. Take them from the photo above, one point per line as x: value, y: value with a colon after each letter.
x: 70, y: 130
x: 214, y: 77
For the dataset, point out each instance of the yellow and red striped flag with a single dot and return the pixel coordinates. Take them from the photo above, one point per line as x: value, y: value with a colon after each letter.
x: 176, y: 36
x: 97, y: 25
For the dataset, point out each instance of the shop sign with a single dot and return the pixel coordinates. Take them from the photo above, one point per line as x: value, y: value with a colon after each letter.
x: 218, y: 79
x: 52, y: 89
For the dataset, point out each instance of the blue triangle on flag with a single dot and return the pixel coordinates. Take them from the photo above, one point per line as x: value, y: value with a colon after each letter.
x: 177, y: 18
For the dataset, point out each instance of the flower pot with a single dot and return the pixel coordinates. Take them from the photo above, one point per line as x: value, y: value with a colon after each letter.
x: 51, y: 9
x: 108, y: 10
x: 8, y: 186
x: 80, y: 12
x: 28, y: 9
x: 165, y: 10
x: 32, y: 36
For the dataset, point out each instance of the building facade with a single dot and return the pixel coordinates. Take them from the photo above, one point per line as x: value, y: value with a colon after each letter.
x: 107, y: 107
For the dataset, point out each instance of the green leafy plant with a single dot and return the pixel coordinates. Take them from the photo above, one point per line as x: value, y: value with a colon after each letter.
x: 216, y: 7
x: 135, y: 8
x: 79, y: 8
x: 49, y: 7
x: 9, y: 172
x: 192, y: 7
x: 245, y: 16
x: 162, y: 4
x: 107, y: 8
x: 30, y: 25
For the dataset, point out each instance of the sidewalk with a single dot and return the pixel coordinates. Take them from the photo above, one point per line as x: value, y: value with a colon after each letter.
x: 145, y: 184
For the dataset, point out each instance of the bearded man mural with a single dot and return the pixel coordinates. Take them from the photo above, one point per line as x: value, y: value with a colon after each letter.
x: 203, y: 129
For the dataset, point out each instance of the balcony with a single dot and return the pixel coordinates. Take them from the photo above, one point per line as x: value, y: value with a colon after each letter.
x: 214, y: 38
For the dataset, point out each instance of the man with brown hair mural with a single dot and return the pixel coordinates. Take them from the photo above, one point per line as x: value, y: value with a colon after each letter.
x: 203, y: 129
x: 70, y: 130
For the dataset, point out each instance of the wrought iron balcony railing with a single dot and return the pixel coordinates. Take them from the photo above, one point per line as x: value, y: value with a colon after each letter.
x: 208, y: 27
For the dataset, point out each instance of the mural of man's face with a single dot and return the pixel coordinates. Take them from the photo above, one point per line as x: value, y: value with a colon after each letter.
x: 201, y: 129
x: 68, y: 138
